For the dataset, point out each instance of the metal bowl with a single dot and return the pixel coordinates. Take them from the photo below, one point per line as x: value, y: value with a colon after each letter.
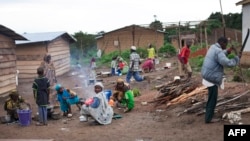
x: 56, y: 115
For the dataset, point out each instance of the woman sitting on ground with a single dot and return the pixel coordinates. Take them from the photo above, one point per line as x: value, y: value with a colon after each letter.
x: 12, y: 104
x: 123, y: 96
x: 97, y: 107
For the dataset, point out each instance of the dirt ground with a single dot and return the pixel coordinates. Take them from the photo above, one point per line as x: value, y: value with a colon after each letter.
x: 143, y: 123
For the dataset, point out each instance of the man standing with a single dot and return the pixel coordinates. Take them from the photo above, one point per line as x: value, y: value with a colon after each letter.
x: 213, y: 72
x: 183, y: 56
x: 134, y: 67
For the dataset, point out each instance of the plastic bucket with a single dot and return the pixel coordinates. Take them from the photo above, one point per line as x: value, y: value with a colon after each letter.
x: 168, y: 65
x: 24, y: 117
x: 108, y: 94
x: 157, y: 61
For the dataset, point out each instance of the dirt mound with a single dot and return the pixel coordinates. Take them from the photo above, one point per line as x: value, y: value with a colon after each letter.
x: 200, y: 52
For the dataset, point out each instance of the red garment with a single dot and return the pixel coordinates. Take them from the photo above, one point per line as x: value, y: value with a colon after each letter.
x: 148, y: 64
x: 185, y: 52
x: 121, y: 65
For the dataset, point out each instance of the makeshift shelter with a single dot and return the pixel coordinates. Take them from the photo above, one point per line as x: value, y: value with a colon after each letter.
x: 8, y: 79
x: 245, y: 26
x: 123, y: 38
x: 30, y: 53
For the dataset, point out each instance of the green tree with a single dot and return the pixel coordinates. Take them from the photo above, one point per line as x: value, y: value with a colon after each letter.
x: 156, y: 25
x: 85, y: 45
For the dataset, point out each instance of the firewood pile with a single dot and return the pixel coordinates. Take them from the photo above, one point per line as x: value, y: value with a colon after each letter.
x: 224, y: 104
x: 177, y: 91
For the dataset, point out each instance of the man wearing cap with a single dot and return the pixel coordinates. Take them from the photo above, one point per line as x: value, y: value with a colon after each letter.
x: 98, y: 107
x: 134, y: 67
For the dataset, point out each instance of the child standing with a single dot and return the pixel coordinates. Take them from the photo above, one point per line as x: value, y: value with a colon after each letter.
x: 113, y: 65
x: 41, y: 92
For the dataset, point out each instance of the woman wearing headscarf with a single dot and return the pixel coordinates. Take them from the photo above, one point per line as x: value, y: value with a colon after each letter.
x: 49, y: 69
x: 97, y: 107
x: 49, y: 72
x: 123, y: 95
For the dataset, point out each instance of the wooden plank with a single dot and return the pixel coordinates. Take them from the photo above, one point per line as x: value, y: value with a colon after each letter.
x: 35, y: 57
x: 6, y: 71
x: 67, y: 67
x: 7, y: 44
x: 58, y: 41
x: 25, y: 63
x: 25, y: 80
x: 8, y: 82
x: 61, y: 56
x: 61, y: 72
x: 5, y: 51
x: 31, y: 49
x: 7, y: 64
x: 59, y: 52
x: 26, y: 75
x: 8, y: 76
x: 22, y: 71
x: 5, y: 58
x: 7, y: 88
x: 58, y: 48
x: 28, y: 67
x: 62, y: 63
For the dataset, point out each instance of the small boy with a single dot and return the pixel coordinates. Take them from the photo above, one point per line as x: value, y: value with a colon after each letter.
x: 41, y: 92
x: 113, y: 65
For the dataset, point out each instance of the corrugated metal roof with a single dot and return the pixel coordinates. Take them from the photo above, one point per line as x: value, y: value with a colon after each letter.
x: 10, y: 33
x: 243, y: 2
x: 45, y: 37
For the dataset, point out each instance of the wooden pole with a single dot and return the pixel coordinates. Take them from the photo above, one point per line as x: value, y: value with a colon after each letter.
x: 223, y: 20
x: 179, y: 35
x: 201, y: 35
x: 205, y: 28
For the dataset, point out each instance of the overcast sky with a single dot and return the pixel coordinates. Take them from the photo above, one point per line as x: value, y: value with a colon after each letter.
x: 92, y: 16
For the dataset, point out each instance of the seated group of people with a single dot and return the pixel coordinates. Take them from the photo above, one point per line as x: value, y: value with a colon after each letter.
x: 118, y: 66
x: 98, y: 107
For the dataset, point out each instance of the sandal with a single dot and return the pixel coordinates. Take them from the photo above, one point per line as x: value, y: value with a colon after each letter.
x: 39, y: 124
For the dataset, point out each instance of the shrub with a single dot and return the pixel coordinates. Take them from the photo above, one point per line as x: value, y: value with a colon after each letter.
x: 168, y: 49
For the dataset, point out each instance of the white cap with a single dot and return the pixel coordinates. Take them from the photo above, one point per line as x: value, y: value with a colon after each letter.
x: 99, y: 84
x: 133, y: 47
x: 177, y: 78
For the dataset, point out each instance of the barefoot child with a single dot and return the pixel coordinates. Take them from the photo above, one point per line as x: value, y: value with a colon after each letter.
x: 41, y: 91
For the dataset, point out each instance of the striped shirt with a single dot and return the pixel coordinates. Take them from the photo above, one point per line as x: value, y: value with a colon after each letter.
x: 134, y: 57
